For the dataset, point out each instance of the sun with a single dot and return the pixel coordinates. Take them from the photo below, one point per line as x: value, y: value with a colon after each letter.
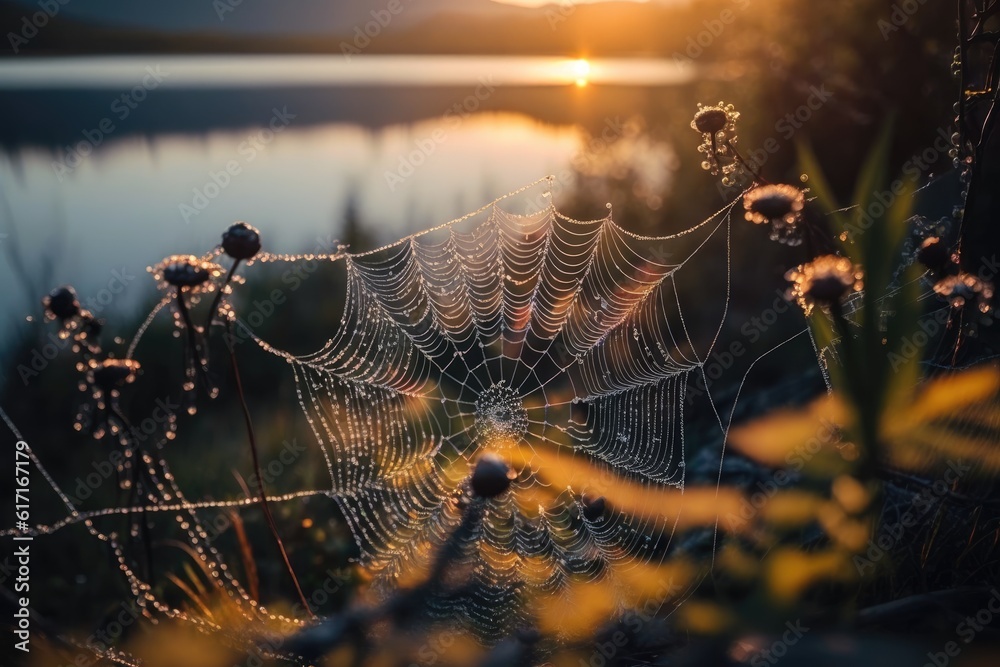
x: 580, y: 70
x: 534, y: 4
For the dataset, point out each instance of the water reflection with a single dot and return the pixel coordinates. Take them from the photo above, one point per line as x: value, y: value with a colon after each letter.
x: 132, y: 202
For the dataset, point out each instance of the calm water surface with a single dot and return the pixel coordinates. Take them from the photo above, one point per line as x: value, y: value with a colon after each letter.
x: 111, y: 163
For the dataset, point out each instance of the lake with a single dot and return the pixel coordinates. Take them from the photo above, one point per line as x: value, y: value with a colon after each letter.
x: 108, y: 164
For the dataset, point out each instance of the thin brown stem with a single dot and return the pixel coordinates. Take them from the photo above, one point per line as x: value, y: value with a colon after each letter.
x: 260, y: 479
x: 739, y: 158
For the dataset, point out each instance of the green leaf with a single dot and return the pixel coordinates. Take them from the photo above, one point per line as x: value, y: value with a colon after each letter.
x: 898, y: 217
x: 878, y: 255
x: 903, y: 355
x: 872, y: 178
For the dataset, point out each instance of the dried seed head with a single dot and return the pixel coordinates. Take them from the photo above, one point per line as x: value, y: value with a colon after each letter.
x: 772, y: 202
x: 933, y: 254
x: 61, y: 303
x: 827, y: 289
x: 781, y: 206
x: 717, y: 125
x: 966, y: 288
x: 710, y: 120
x: 186, y: 272
x: 113, y: 374
x: 491, y: 477
x: 823, y: 282
x: 241, y: 241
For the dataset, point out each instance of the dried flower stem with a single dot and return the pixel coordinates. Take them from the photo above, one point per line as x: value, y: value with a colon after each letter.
x: 192, y: 337
x: 260, y: 478
x: 739, y: 157
x: 133, y: 492
x: 214, y: 309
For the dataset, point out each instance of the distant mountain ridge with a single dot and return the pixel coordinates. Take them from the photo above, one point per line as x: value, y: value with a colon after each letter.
x: 261, y: 17
x: 306, y: 26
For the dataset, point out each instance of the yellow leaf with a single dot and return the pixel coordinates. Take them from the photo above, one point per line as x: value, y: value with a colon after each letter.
x: 778, y: 439
x: 577, y: 612
x: 791, y: 508
x: 643, y: 585
x: 662, y: 505
x: 704, y: 618
x: 943, y: 397
x: 791, y: 571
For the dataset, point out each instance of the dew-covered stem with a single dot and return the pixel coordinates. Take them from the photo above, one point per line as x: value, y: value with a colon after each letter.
x: 217, y: 301
x: 192, y: 335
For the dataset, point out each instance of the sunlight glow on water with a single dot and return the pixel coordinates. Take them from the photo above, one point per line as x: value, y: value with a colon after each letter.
x: 253, y: 70
x: 121, y: 207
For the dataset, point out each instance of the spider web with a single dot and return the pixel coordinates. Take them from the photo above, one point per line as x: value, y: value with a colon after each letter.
x: 558, y: 344
x: 536, y: 336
